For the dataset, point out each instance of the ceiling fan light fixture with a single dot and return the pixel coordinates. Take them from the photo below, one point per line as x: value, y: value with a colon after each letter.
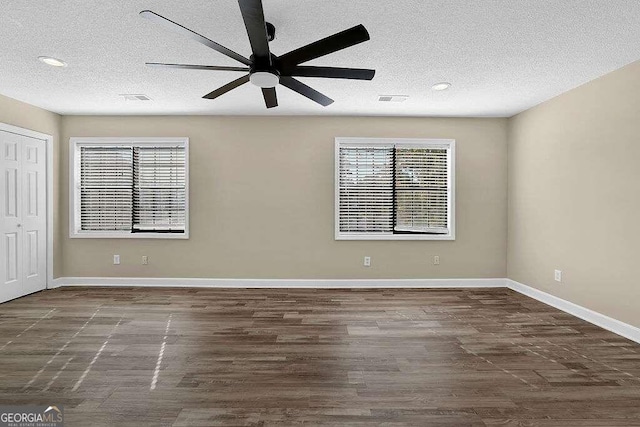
x: 264, y: 79
x: 441, y: 86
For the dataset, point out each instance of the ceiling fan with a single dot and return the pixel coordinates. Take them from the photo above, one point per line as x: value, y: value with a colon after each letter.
x: 265, y: 69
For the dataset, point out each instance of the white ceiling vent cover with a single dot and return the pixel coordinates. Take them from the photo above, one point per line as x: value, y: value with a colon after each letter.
x: 392, y: 98
x: 135, y: 97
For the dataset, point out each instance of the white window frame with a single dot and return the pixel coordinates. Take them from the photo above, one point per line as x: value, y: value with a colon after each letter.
x: 74, y: 185
x: 450, y: 144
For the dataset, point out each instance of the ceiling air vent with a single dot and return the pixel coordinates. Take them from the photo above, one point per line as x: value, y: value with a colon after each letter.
x: 392, y: 98
x: 135, y: 97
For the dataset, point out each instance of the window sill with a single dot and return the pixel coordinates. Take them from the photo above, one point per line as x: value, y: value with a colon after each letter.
x: 395, y: 237
x: 107, y: 235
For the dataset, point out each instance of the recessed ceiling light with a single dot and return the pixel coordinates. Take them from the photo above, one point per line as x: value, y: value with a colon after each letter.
x: 54, y: 62
x: 441, y: 86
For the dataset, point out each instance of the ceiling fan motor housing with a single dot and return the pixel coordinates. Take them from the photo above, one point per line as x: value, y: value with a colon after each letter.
x: 264, y: 72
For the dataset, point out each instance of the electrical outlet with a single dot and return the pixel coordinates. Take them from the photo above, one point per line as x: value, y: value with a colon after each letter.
x: 367, y: 261
x: 436, y: 260
x: 116, y: 260
x: 558, y: 276
x: 145, y: 260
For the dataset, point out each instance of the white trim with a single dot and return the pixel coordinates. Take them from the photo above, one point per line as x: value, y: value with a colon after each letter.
x: 449, y: 144
x: 381, y: 236
x: 48, y: 139
x: 74, y: 168
x: 598, y: 319
x: 280, y: 283
x: 392, y: 142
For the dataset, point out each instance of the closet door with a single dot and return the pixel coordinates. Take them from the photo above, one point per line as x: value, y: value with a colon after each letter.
x: 11, y: 245
x: 22, y: 215
x: 34, y: 215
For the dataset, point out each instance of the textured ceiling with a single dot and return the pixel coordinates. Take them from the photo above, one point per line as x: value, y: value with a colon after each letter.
x: 502, y: 56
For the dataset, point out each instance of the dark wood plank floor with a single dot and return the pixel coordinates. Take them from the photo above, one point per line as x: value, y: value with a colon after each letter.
x: 187, y: 357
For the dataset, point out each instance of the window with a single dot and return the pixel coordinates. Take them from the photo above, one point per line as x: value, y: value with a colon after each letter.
x: 394, y: 189
x: 129, y: 188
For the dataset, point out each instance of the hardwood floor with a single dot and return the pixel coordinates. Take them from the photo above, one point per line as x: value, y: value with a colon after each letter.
x: 187, y: 357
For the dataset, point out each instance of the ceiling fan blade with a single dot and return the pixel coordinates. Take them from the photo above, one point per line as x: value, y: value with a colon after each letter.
x: 334, y: 43
x: 333, y: 72
x: 304, y: 90
x: 226, y: 88
x: 253, y: 16
x: 270, y: 97
x: 196, y: 67
x: 177, y: 28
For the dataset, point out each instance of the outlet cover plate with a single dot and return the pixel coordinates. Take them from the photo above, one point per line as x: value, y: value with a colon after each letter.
x: 557, y: 276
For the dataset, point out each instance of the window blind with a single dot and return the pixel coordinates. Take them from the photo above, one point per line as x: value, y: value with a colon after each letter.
x: 366, y: 189
x: 132, y: 188
x: 421, y: 190
x: 106, y: 187
x: 159, y: 191
x: 393, y: 189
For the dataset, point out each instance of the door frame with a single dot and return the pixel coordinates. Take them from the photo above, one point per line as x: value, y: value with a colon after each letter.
x: 49, y: 177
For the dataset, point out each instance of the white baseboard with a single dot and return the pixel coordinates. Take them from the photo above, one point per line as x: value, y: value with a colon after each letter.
x: 606, y: 322
x: 279, y: 283
x: 598, y: 319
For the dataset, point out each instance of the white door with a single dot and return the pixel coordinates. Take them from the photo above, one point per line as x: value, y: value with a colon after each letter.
x: 23, y: 223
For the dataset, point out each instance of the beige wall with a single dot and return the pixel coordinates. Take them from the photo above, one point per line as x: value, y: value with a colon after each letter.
x: 574, y: 195
x: 262, y: 198
x: 26, y: 116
